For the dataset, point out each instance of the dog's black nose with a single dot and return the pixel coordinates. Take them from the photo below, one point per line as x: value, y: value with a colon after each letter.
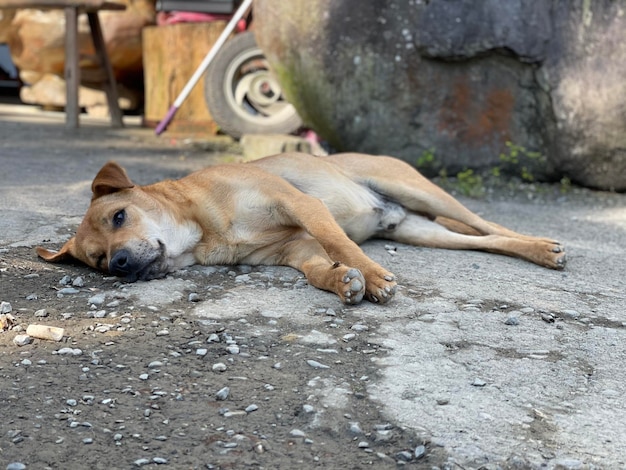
x: 120, y: 263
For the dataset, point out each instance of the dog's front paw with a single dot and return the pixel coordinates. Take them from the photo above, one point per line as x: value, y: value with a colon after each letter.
x: 353, y: 286
x: 380, y: 286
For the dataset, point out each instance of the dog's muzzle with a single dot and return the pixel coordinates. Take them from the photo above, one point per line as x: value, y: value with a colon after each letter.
x: 141, y: 264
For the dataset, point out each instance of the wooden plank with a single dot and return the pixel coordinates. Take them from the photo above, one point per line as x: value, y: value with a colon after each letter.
x: 171, y: 55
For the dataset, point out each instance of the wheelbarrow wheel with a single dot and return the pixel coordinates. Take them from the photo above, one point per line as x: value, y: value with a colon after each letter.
x: 242, y: 95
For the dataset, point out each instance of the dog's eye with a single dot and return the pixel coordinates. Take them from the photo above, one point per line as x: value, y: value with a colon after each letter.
x: 118, y: 218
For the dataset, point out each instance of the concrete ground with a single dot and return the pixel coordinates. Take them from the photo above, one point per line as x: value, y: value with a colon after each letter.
x: 493, y: 358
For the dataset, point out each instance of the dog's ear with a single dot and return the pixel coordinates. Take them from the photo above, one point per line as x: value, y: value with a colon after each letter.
x: 110, y: 179
x: 66, y: 253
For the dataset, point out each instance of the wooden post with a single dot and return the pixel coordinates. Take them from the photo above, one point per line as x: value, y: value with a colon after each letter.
x: 171, y: 54
x: 72, y: 70
x: 110, y: 87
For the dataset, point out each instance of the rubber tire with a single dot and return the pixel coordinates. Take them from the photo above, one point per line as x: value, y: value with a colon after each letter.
x: 233, y: 119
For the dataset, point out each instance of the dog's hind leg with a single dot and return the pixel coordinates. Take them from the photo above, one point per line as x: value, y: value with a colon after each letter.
x: 420, y: 231
x: 399, y: 182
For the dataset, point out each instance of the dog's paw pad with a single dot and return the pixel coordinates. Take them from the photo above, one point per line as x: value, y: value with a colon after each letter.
x: 381, y: 288
x: 354, y: 286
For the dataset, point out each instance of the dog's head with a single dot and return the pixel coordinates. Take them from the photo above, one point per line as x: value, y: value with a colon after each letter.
x: 124, y: 231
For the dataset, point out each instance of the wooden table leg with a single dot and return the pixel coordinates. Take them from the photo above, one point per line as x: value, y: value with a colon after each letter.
x: 110, y: 87
x: 72, y: 71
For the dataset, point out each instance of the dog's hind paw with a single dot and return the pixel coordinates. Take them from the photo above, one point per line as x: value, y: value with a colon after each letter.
x: 557, y: 259
x: 353, y: 288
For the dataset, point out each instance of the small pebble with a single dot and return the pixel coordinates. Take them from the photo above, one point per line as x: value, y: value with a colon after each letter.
x: 317, y: 365
x: 297, y: 433
x: 144, y: 377
x: 41, y: 313
x: 71, y: 402
x: 22, y: 340
x: 67, y: 291
x: 251, y: 408
x: 5, y: 307
x: 219, y: 367
x: 233, y: 349
x: 404, y: 456
x: 201, y: 352
x: 194, y: 297
x: 364, y: 444
x: 355, y: 428
x: 358, y: 327
x: 69, y: 352
x: 65, y: 280
x: 213, y: 338
x: 349, y: 337
x: 140, y: 462
x: 573, y: 314
x: 88, y: 440
x: 16, y: 466
x: 420, y: 451
x: 97, y: 299
x: 26, y: 362
x: 159, y: 460
x: 308, y: 408
x: 155, y: 364
x: 78, y: 282
x: 222, y: 394
x: 479, y: 382
x: 512, y: 321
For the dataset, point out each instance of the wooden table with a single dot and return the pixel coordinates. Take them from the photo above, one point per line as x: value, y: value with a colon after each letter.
x: 72, y: 71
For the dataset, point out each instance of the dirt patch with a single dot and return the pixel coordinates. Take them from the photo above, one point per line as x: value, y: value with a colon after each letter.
x: 135, y: 383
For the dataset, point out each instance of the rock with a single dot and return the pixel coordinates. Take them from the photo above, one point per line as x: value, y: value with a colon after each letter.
x: 22, y: 340
x: 219, y: 367
x: 5, y: 307
x: 297, y: 433
x: 532, y: 91
x: 68, y: 352
x: 317, y: 365
x: 223, y: 393
x: 36, y: 42
x: 97, y: 299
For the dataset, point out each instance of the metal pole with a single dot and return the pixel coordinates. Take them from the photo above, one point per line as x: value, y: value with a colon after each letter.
x: 241, y: 11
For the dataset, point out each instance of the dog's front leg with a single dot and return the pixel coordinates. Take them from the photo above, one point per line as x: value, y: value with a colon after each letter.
x: 308, y: 256
x: 313, y: 216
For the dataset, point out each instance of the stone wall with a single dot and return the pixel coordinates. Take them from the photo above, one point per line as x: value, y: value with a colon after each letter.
x: 461, y: 82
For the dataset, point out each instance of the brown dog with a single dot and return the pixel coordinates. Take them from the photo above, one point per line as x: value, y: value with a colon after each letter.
x: 290, y: 209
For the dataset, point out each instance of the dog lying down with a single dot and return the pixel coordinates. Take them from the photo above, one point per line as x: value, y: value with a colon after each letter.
x: 290, y: 209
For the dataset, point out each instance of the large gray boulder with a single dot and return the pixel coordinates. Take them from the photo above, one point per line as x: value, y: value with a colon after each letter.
x: 460, y: 83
